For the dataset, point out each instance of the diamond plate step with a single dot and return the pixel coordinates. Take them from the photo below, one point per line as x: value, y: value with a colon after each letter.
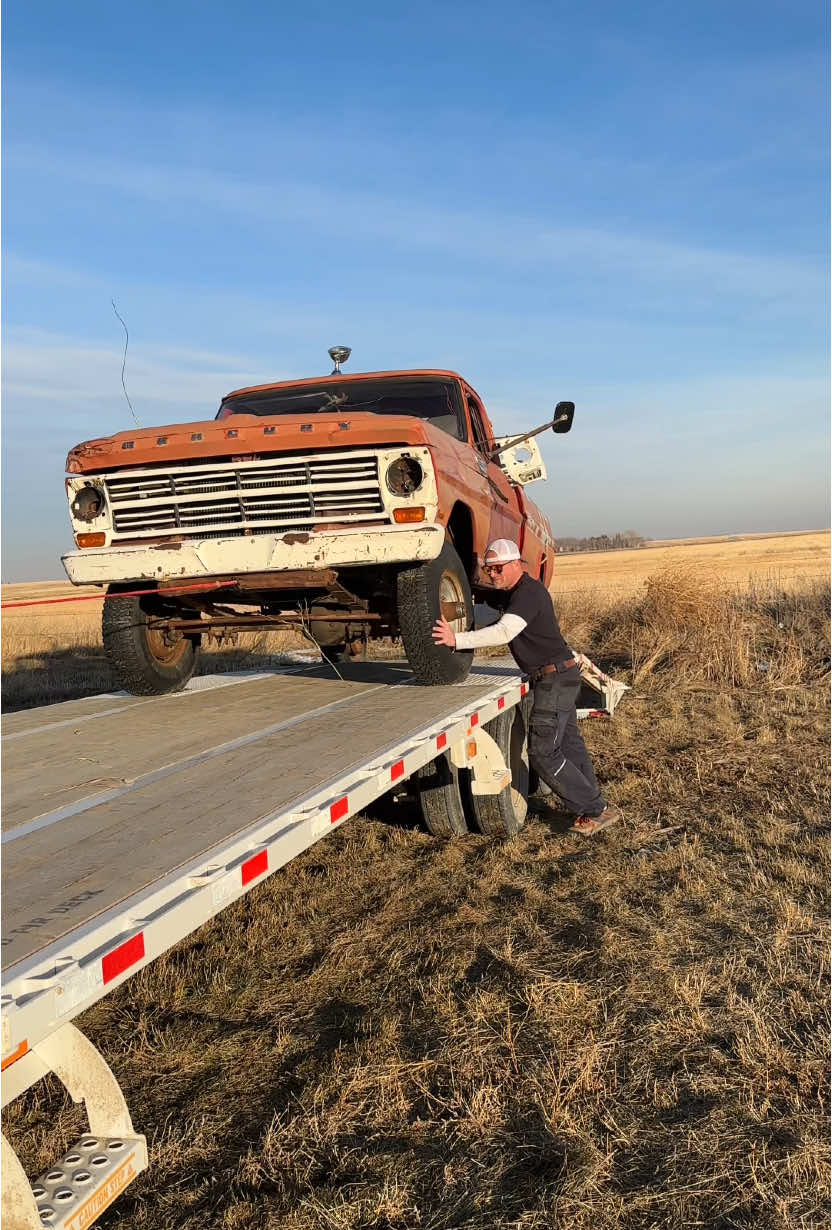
x: 74, y: 1192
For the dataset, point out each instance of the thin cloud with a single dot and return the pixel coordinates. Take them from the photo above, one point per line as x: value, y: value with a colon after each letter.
x: 509, y: 241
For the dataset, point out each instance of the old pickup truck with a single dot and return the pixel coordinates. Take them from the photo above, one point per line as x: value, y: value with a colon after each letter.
x: 353, y: 506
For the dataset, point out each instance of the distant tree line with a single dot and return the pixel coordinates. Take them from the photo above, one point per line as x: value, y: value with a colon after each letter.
x: 603, y: 542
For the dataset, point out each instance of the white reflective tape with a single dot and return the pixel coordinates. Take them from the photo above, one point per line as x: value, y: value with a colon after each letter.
x: 320, y: 823
x: 226, y: 889
x: 558, y: 770
x: 76, y: 984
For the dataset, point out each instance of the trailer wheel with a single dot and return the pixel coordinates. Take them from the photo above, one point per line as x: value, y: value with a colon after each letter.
x: 504, y: 814
x: 438, y: 785
x: 145, y: 661
x: 423, y: 593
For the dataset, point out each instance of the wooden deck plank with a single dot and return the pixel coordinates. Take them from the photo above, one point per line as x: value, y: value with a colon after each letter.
x: 122, y: 846
x: 68, y: 763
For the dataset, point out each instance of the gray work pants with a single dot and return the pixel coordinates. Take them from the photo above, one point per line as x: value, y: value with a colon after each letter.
x: 557, y: 752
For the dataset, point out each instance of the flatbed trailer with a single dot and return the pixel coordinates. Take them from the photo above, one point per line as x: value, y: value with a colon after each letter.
x: 128, y: 823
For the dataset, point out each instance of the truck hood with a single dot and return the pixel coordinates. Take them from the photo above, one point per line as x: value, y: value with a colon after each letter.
x: 250, y: 435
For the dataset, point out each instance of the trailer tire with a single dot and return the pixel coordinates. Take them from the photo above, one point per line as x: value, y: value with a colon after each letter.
x: 440, y: 787
x: 142, y: 661
x: 419, y: 592
x: 504, y: 814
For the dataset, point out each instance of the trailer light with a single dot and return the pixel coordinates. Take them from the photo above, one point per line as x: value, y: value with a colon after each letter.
x: 471, y: 748
x: 404, y: 516
x: 404, y: 476
x: 90, y: 540
x: 88, y: 503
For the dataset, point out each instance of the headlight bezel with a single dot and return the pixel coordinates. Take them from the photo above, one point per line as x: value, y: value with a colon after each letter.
x: 416, y: 475
x: 88, y: 503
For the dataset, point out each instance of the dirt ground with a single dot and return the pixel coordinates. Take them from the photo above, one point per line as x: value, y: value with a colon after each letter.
x: 613, y: 1033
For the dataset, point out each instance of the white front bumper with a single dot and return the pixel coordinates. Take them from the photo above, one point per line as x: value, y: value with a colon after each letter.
x: 389, y: 544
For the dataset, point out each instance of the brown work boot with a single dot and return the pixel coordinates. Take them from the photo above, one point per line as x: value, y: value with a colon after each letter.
x: 587, y: 825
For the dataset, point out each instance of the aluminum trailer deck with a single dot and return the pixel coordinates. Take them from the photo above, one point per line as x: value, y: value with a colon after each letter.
x: 129, y: 822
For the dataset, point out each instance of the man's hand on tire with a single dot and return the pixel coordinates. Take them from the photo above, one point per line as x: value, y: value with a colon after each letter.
x: 443, y: 633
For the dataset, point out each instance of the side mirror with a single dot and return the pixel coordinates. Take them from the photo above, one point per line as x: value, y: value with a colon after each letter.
x: 564, y: 413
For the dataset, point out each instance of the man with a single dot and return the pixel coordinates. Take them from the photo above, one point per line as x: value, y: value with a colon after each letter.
x: 529, y: 627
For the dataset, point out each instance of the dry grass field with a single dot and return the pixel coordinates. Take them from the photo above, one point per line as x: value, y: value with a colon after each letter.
x: 782, y: 560
x: 614, y: 1033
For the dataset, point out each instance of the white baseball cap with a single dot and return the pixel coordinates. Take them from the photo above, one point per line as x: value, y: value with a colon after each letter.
x: 503, y: 550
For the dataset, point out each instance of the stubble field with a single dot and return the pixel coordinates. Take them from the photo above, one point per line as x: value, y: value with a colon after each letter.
x: 621, y: 1032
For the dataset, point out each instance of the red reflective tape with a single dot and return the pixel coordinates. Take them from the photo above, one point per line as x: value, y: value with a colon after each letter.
x: 397, y: 771
x: 524, y: 687
x: 441, y: 741
x: 254, y: 866
x: 475, y: 719
x: 121, y: 958
x: 501, y: 703
x: 338, y: 810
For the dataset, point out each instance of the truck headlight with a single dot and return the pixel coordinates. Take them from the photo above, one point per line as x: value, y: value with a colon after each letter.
x: 404, y: 476
x: 88, y: 503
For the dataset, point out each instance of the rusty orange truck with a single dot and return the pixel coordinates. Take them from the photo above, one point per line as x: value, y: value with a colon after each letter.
x: 357, y: 506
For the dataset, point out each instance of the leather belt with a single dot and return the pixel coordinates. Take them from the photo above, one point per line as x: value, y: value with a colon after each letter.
x: 554, y: 669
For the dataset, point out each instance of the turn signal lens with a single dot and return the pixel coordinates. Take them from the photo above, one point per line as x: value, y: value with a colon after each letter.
x: 90, y: 540
x: 471, y: 749
x: 403, y: 516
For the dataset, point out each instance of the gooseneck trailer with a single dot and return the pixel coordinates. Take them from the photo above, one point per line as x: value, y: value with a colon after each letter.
x: 129, y: 822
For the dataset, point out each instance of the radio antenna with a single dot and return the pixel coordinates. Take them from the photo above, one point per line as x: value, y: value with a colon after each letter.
x: 124, y: 364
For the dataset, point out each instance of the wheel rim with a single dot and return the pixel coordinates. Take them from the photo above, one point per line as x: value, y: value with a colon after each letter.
x: 452, y: 593
x: 164, y: 653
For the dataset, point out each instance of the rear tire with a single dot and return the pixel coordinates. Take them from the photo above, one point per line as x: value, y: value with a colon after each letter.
x: 504, y: 814
x: 420, y: 591
x: 143, y: 660
x: 438, y: 785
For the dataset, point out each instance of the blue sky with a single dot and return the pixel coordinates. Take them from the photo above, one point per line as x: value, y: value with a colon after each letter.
x: 623, y: 205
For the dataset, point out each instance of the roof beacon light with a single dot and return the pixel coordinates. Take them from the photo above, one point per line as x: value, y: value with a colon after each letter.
x: 339, y: 355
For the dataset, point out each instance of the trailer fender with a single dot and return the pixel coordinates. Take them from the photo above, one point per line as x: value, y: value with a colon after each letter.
x: 479, y: 753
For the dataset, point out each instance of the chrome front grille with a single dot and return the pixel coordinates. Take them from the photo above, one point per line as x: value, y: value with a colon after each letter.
x: 283, y: 494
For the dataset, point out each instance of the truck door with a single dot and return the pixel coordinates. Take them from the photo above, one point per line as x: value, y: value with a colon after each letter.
x: 506, y: 518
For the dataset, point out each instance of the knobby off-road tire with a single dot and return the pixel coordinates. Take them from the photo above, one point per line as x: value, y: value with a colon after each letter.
x: 142, y: 661
x: 419, y: 593
x: 441, y: 788
x: 504, y: 814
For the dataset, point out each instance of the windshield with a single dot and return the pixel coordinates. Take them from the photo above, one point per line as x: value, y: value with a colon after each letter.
x: 433, y: 399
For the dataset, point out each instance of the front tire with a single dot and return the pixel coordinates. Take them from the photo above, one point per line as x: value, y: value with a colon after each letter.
x: 422, y: 593
x: 144, y: 660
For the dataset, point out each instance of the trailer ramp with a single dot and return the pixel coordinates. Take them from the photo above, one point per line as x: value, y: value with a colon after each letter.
x: 129, y: 822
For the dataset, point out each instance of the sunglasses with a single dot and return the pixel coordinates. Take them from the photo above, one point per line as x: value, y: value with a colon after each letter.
x: 497, y: 568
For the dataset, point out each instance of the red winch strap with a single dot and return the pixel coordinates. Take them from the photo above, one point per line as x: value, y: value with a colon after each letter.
x: 127, y: 593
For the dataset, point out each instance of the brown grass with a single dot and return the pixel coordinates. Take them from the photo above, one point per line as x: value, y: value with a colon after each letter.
x: 608, y: 1034
x: 781, y: 560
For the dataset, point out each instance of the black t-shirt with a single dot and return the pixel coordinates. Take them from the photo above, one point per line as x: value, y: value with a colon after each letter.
x: 541, y: 642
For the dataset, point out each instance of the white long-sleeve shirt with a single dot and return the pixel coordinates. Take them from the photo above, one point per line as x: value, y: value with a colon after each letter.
x: 500, y: 633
